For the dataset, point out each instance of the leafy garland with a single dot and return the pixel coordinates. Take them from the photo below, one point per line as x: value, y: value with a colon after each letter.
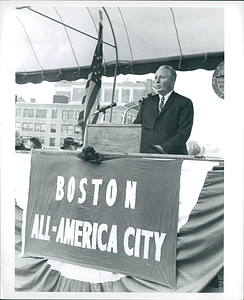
x: 89, y: 154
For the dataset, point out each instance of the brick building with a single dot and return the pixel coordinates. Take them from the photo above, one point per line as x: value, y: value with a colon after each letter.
x: 53, y: 122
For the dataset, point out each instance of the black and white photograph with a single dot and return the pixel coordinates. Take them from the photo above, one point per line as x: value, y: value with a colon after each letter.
x: 126, y: 177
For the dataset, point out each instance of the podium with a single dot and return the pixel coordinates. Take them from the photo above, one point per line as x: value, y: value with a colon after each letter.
x: 113, y: 138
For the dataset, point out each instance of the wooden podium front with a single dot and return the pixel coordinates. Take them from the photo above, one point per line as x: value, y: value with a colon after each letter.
x: 113, y: 138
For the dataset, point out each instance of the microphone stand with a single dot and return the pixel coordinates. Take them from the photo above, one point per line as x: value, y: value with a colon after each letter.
x: 134, y: 106
x: 124, y: 116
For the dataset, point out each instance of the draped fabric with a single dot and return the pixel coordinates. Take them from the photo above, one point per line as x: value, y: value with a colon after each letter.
x: 120, y: 215
x: 199, y: 255
x: 188, y: 63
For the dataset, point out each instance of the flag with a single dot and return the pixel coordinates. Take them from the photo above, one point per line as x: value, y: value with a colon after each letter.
x: 93, y: 86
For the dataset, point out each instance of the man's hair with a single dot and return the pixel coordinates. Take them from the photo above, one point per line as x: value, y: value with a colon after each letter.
x: 172, y: 70
x: 37, y: 143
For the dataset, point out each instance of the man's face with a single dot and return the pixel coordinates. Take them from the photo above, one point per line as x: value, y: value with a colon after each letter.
x: 30, y: 145
x: 71, y: 147
x: 18, y: 139
x: 164, y: 81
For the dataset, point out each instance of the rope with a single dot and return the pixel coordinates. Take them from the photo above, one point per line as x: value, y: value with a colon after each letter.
x: 177, y: 35
x: 26, y: 74
x: 131, y: 64
x: 205, y: 58
x: 131, y: 67
x: 31, y: 47
x: 59, y: 72
x: 78, y: 71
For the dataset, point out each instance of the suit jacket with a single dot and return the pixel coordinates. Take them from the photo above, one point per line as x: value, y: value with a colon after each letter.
x: 170, y: 128
x: 21, y: 147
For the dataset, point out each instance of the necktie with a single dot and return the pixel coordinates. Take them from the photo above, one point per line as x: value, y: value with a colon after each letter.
x: 161, y: 104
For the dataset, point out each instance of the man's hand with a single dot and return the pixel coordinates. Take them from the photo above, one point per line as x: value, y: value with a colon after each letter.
x: 161, y: 148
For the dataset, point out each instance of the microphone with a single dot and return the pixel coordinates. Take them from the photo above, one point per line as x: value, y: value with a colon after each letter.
x: 102, y: 109
x: 143, y: 98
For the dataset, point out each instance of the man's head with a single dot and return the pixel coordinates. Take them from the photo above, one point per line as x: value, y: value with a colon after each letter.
x: 34, y: 143
x: 164, y: 80
x: 18, y: 137
x: 69, y: 144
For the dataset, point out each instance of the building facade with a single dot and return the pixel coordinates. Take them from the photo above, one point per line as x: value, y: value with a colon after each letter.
x: 125, y: 92
x: 52, y: 123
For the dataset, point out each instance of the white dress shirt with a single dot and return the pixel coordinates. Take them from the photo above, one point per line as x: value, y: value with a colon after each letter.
x: 166, y: 97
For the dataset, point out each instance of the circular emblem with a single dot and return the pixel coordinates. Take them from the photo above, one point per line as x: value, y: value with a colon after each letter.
x: 218, y: 81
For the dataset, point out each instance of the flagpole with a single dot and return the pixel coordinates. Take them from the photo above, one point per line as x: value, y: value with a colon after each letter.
x: 93, y: 86
x: 116, y: 65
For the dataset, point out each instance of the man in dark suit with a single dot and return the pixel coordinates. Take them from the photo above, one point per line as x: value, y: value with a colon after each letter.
x: 165, y: 125
x: 18, y: 141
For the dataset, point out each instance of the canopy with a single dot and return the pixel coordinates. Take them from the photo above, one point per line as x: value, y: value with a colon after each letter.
x: 138, y: 39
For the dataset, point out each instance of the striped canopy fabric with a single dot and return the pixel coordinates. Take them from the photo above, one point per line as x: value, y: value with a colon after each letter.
x: 54, y: 43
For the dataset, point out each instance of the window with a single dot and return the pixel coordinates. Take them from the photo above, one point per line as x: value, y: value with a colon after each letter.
x: 108, y: 95
x: 42, y: 140
x: 78, y: 93
x: 43, y: 127
x: 106, y: 117
x: 41, y: 113
x: 28, y: 113
x: 68, y: 115
x: 77, y: 114
x: 138, y: 94
x: 64, y: 114
x: 77, y: 129
x: 129, y: 119
x: 54, y: 114
x: 18, y: 112
x: 126, y: 95
x: 70, y: 129
x: 17, y: 125
x: 52, y: 142
x: 81, y: 115
x: 71, y: 114
x: 26, y: 126
x: 37, y: 127
x: 61, y: 142
x: 40, y: 127
x: 53, y: 128
x: 114, y: 116
x: 67, y: 128
x: 64, y: 128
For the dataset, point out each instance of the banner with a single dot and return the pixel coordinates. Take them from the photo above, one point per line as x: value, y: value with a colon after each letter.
x: 119, y: 216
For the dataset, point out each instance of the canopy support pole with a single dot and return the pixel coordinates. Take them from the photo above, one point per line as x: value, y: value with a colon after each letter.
x: 116, y: 65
